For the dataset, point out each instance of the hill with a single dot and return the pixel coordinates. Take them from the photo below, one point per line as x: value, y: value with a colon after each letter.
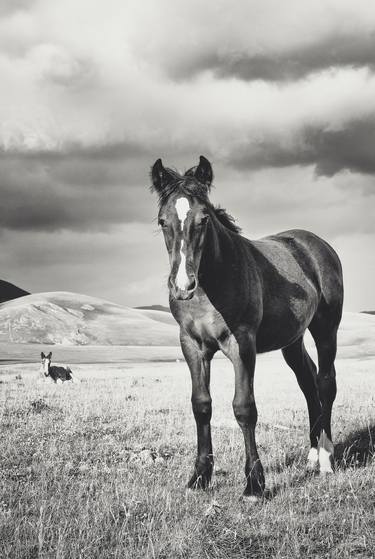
x: 154, y: 308
x: 75, y: 319
x: 160, y: 316
x: 8, y: 291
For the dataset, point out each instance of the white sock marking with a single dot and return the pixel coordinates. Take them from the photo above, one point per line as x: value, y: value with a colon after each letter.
x: 325, y: 461
x: 325, y: 453
x: 182, y: 208
x: 312, y: 459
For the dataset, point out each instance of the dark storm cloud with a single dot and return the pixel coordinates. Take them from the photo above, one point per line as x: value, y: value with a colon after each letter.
x: 339, y: 50
x: 330, y: 151
x: 82, y: 188
x: 98, y: 187
x: 87, y: 190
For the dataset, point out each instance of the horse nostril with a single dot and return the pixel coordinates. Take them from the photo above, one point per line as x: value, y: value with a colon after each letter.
x: 192, y: 285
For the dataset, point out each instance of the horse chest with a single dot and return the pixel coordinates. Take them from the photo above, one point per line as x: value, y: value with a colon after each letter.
x: 202, y: 322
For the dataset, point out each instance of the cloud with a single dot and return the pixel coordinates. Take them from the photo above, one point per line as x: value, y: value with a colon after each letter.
x: 99, y: 187
x: 281, y: 99
x: 129, y: 262
x: 351, y: 147
x: 60, y: 67
x: 269, y: 200
x: 87, y: 190
x: 8, y: 7
x: 257, y: 40
x: 327, y: 120
x: 339, y: 50
x: 103, y: 76
x: 102, y: 264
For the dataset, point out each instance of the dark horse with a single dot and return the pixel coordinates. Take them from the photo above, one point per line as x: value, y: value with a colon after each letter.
x: 247, y: 297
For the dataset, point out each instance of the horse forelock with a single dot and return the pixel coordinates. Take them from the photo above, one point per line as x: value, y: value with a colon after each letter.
x: 185, y: 184
x: 188, y: 185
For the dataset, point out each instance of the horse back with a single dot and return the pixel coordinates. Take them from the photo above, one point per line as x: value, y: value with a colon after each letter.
x: 300, y: 254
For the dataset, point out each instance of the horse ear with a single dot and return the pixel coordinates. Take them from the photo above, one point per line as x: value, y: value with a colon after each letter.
x: 49, y: 355
x: 42, y: 355
x: 160, y: 176
x: 203, y: 173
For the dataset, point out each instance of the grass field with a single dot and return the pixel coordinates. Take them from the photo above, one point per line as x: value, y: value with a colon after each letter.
x: 97, y: 469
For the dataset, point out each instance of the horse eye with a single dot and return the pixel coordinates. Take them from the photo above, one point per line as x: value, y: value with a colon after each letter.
x: 162, y: 222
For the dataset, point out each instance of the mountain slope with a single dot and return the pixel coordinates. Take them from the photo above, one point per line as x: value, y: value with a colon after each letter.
x: 356, y: 336
x: 75, y: 319
x: 154, y: 308
x: 159, y: 316
x: 8, y: 291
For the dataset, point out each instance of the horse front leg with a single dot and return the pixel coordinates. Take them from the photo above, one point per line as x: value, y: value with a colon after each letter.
x: 199, y: 365
x: 241, y: 350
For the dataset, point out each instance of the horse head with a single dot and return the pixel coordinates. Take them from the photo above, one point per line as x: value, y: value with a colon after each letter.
x: 184, y: 215
x: 46, y: 362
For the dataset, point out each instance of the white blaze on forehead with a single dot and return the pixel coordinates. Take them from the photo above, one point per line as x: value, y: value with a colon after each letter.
x: 182, y: 208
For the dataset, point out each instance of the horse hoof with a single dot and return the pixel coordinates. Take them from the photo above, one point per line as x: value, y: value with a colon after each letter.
x: 326, y: 471
x: 250, y: 499
x: 199, y: 482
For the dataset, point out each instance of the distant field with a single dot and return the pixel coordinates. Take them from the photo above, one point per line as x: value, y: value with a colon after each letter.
x: 97, y: 469
x: 356, y: 341
x: 30, y: 353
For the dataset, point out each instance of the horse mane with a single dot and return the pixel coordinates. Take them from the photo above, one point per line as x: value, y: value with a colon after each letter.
x: 189, y: 185
x: 226, y: 219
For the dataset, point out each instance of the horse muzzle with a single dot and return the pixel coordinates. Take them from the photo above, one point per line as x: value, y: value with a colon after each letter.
x: 186, y: 293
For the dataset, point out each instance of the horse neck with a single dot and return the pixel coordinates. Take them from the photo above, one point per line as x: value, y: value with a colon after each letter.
x: 219, y: 253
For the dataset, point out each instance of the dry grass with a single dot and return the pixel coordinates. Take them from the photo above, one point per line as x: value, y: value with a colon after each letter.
x: 75, y: 482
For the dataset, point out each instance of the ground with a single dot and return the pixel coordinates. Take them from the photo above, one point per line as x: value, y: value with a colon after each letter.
x: 97, y: 469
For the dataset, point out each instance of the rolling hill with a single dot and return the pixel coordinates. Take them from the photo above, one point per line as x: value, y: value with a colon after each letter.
x: 154, y: 308
x: 8, y: 291
x: 75, y: 319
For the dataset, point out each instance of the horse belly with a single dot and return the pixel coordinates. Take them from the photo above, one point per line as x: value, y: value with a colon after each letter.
x: 285, y: 322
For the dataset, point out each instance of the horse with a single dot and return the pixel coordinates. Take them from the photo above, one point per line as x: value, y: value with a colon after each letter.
x: 56, y: 373
x: 245, y: 297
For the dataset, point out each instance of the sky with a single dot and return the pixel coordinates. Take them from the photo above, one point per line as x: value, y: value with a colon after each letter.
x: 280, y: 97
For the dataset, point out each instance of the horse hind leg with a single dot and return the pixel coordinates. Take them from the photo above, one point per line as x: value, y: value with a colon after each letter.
x: 324, y: 331
x: 304, y: 368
